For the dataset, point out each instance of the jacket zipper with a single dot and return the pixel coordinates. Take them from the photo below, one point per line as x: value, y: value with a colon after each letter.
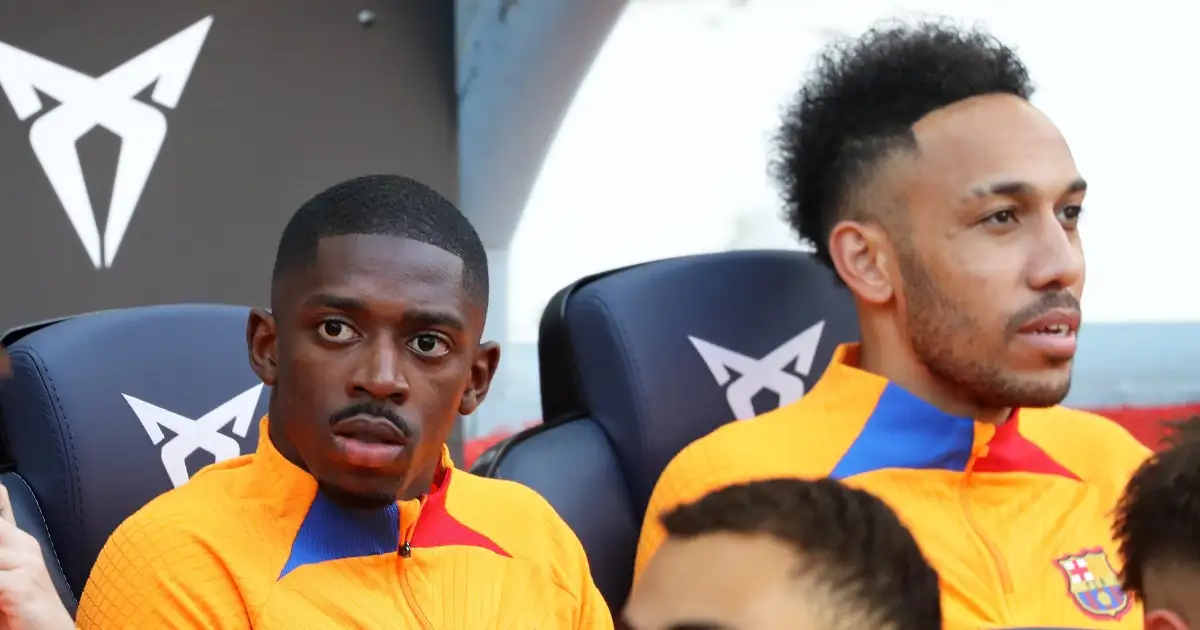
x: 406, y: 532
x: 993, y: 549
x: 405, y: 551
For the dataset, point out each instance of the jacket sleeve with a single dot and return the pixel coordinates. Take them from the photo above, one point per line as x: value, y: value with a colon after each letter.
x: 688, y: 477
x: 664, y: 498
x: 594, y: 613
x: 722, y: 459
x: 151, y: 574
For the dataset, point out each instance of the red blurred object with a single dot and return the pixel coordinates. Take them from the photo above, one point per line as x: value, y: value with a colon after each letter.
x: 474, y: 448
x: 1144, y: 423
x: 1148, y: 423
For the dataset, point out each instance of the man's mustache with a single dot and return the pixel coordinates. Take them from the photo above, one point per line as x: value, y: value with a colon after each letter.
x: 377, y: 409
x: 1048, y: 302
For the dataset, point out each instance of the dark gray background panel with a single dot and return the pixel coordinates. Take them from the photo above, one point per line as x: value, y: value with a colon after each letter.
x: 284, y: 99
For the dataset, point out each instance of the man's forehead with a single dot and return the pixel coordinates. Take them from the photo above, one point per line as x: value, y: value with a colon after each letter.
x: 991, y: 141
x: 381, y: 272
x: 385, y: 255
x: 732, y: 579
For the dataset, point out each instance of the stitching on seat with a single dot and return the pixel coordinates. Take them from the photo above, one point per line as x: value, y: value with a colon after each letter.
x: 69, y: 470
x: 53, y: 551
x: 640, y: 407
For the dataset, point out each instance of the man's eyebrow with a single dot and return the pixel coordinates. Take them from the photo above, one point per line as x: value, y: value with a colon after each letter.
x: 686, y: 625
x: 336, y: 302
x: 1016, y: 188
x: 1006, y: 189
x: 434, y: 318
x: 700, y: 625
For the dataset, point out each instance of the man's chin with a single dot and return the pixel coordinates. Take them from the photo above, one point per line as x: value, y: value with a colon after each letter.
x: 1044, y: 391
x: 359, y: 496
x: 362, y: 487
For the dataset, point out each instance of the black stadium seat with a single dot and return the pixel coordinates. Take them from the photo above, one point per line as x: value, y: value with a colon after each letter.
x: 106, y: 411
x: 637, y: 363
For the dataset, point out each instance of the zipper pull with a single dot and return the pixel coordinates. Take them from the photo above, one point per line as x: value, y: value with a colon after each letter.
x: 406, y: 550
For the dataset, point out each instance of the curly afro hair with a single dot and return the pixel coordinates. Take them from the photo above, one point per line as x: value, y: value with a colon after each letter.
x: 1158, y: 516
x: 860, y: 105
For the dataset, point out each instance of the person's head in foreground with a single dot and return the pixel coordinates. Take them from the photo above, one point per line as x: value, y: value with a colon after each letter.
x: 372, y: 344
x: 1158, y: 530
x: 786, y: 554
x: 915, y: 165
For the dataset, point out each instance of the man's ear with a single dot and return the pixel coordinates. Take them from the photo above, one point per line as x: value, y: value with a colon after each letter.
x: 261, y: 335
x: 864, y: 259
x: 483, y: 368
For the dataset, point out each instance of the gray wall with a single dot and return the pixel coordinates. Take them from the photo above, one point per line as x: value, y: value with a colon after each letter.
x: 284, y: 99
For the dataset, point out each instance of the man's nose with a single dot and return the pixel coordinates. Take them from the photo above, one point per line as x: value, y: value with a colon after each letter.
x: 1057, y: 261
x: 380, y: 372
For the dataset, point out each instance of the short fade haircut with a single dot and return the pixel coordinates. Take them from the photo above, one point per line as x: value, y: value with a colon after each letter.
x: 860, y: 104
x: 388, y: 205
x: 1158, y: 516
x: 852, y: 545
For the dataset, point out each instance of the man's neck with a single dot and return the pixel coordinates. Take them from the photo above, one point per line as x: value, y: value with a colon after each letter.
x: 422, y: 482
x: 906, y: 371
x: 282, y: 444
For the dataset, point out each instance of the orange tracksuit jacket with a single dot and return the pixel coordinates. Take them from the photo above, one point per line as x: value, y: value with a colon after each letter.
x: 1016, y: 519
x: 250, y: 543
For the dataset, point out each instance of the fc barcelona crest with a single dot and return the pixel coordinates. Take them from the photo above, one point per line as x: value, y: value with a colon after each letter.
x: 1093, y: 584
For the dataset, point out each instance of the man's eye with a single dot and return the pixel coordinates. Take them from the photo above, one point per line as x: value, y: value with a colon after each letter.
x: 333, y: 330
x: 1002, y: 218
x: 1070, y: 213
x: 430, y: 345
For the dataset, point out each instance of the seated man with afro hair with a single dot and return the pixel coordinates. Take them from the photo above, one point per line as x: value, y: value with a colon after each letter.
x: 915, y: 166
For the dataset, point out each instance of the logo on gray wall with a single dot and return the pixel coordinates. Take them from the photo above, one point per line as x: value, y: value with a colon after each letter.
x: 109, y: 102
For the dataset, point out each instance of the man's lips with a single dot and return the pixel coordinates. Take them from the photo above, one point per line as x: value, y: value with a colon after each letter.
x: 1053, y: 334
x: 369, y: 441
x: 370, y: 430
x: 1058, y: 322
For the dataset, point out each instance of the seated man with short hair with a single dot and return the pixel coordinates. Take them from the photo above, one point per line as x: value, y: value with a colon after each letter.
x: 784, y: 554
x: 351, y: 514
x: 1158, y: 529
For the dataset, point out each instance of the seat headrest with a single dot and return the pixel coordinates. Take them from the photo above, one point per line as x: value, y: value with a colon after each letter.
x: 108, y: 410
x: 660, y: 354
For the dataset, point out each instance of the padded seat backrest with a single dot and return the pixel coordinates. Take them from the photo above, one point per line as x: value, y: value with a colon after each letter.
x: 639, y: 362
x: 106, y: 411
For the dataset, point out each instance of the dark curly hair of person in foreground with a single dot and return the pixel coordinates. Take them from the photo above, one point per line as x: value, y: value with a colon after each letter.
x: 1157, y: 528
